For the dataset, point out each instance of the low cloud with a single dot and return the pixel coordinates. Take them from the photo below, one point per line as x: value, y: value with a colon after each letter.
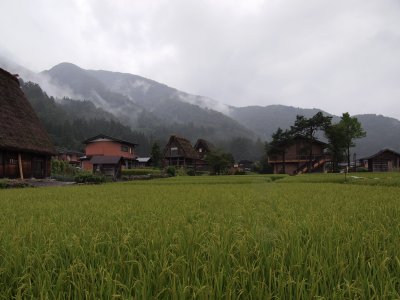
x: 334, y: 55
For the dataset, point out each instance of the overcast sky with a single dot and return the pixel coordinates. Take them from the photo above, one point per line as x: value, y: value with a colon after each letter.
x: 341, y: 55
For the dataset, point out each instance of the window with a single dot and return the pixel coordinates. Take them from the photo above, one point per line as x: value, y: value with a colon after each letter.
x: 200, y: 150
x: 124, y: 148
x: 174, y: 151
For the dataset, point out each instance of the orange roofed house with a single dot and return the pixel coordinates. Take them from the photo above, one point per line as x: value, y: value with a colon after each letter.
x: 108, y: 155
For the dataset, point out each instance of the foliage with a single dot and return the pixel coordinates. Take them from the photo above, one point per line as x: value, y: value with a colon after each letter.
x: 191, y: 172
x: 171, y: 171
x: 88, y: 177
x: 336, y: 145
x: 352, y: 130
x: 12, y: 183
x: 62, y: 167
x: 204, y: 237
x: 280, y: 141
x: 140, y: 171
x: 341, y: 138
x: 219, y: 161
x: 69, y: 122
x: 156, y: 154
x: 308, y: 127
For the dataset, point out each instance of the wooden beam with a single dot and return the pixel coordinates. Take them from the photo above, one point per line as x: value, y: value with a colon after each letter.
x: 21, y: 173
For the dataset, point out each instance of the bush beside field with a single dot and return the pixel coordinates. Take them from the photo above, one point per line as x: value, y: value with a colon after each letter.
x: 140, y: 171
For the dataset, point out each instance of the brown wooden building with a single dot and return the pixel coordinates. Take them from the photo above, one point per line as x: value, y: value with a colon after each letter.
x: 297, y: 159
x: 202, y: 147
x: 179, y: 152
x: 25, y: 147
x: 71, y: 156
x: 385, y: 160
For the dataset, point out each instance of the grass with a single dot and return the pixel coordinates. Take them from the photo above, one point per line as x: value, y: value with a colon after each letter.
x: 259, y: 237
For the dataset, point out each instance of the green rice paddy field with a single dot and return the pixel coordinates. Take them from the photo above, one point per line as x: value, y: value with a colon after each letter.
x: 260, y: 237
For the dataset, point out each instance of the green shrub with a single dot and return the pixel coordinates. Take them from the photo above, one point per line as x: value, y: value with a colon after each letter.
x: 171, y: 171
x: 139, y: 172
x: 10, y: 183
x: 87, y: 177
x: 239, y: 172
x: 191, y: 172
x: 63, y: 171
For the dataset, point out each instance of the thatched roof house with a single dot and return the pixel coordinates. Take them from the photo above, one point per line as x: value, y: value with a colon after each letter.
x: 202, y: 147
x: 25, y: 147
x: 179, y: 152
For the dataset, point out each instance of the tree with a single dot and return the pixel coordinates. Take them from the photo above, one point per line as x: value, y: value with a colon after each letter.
x: 352, y: 130
x: 336, y: 139
x: 156, y: 154
x: 219, y: 161
x: 307, y: 128
x: 280, y: 141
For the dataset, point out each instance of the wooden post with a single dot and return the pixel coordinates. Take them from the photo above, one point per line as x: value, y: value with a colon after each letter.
x: 21, y: 173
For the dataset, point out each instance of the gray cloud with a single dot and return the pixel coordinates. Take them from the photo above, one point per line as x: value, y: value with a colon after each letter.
x: 336, y: 55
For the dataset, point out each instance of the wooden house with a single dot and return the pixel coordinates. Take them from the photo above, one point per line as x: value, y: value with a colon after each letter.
x: 108, y: 155
x: 71, y: 156
x: 179, y: 152
x: 142, y: 162
x: 202, y: 147
x: 385, y: 160
x: 25, y: 147
x: 296, y: 158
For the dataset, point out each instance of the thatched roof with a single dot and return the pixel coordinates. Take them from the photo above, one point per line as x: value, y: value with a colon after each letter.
x: 202, y: 143
x: 185, y: 148
x: 20, y: 128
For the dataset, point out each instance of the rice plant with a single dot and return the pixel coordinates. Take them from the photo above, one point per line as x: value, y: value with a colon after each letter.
x: 201, y: 237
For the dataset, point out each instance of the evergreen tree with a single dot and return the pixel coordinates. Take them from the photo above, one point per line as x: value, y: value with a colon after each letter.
x: 280, y: 141
x: 307, y: 128
x: 156, y: 155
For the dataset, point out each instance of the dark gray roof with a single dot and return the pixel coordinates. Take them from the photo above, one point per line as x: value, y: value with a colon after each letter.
x: 105, y: 160
x: 103, y: 136
x: 62, y: 150
x: 380, y: 152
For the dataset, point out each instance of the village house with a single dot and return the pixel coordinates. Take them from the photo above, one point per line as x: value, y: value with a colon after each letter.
x: 71, y: 156
x: 179, y: 152
x: 202, y: 147
x: 25, y: 147
x: 143, y: 162
x: 296, y: 158
x: 108, y: 155
x: 385, y: 160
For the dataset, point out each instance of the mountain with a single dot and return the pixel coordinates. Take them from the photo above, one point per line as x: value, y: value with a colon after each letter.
x: 145, y: 104
x: 264, y: 120
x: 69, y: 122
x: 158, y: 110
x: 382, y: 132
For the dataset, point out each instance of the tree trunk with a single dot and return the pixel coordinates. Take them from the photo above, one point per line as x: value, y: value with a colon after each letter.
x: 348, y: 157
